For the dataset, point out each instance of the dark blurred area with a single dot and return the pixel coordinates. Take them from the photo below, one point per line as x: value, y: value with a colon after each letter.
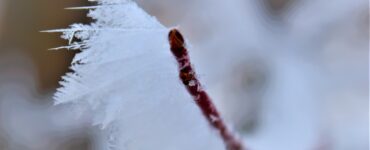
x: 29, y: 74
x: 21, y: 24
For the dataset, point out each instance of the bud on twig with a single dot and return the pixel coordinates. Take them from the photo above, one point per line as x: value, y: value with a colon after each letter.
x: 192, y: 84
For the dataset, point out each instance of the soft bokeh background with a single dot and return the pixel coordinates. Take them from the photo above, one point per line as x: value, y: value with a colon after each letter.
x: 286, y: 74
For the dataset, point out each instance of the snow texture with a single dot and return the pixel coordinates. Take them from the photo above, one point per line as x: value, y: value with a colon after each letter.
x: 126, y: 78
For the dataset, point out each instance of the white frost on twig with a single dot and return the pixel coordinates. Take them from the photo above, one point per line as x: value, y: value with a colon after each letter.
x: 126, y: 77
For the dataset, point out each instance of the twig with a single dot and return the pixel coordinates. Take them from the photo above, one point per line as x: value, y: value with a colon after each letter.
x: 192, y: 84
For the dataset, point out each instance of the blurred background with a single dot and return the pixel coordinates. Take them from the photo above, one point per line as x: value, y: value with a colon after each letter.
x: 286, y: 74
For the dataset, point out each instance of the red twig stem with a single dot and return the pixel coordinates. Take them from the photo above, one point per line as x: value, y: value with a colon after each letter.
x: 192, y: 84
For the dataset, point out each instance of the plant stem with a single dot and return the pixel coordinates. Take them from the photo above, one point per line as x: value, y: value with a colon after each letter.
x: 192, y: 84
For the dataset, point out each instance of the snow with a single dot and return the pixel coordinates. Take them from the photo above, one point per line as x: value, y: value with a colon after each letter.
x: 126, y: 78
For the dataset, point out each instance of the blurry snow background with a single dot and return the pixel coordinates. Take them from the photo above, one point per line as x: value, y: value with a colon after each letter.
x: 287, y: 74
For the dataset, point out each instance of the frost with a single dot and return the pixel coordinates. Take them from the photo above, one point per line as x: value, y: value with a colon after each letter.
x: 126, y: 78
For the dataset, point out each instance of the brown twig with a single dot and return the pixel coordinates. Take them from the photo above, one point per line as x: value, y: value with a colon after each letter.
x: 192, y: 84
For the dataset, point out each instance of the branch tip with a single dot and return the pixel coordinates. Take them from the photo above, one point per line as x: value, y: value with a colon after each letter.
x: 188, y: 77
